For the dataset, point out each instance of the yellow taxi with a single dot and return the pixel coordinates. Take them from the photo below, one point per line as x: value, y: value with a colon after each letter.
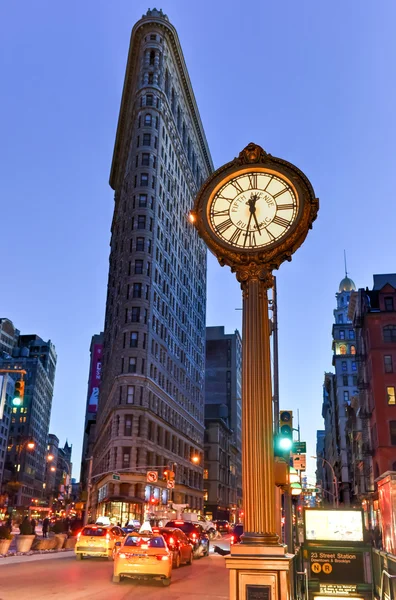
x: 97, y: 540
x: 143, y: 556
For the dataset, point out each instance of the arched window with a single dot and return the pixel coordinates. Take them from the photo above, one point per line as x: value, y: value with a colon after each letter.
x: 353, y: 350
x: 389, y: 332
x: 173, y: 100
x: 178, y: 118
x: 152, y: 57
x: 343, y: 349
x: 148, y: 119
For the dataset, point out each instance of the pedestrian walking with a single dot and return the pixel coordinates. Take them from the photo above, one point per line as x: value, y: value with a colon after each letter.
x: 9, y: 524
x: 46, y: 523
x: 33, y: 523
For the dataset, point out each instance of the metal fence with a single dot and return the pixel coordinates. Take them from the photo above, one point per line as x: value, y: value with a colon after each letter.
x: 384, y: 575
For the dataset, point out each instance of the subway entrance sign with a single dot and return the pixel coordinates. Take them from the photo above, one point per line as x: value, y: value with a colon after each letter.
x: 335, y: 555
x: 116, y: 476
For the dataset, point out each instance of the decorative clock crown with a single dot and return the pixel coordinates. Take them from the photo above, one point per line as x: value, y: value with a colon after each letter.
x: 252, y: 154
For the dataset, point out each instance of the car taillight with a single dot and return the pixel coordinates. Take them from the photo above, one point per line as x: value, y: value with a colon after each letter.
x: 122, y: 555
x: 171, y: 540
x: 162, y: 557
x: 232, y: 539
x: 194, y: 536
x: 78, y: 535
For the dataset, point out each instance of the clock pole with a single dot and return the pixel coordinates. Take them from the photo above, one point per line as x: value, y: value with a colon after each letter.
x: 227, y: 216
x: 258, y: 483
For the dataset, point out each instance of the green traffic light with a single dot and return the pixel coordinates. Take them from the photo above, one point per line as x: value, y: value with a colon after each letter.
x: 17, y: 401
x: 285, y: 443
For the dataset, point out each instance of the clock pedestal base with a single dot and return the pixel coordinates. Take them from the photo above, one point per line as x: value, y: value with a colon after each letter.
x: 260, y: 572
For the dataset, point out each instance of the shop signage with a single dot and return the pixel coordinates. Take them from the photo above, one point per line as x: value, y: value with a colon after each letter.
x: 331, y: 566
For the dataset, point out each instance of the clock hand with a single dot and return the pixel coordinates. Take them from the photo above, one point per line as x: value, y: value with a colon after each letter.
x: 257, y: 223
x: 247, y: 229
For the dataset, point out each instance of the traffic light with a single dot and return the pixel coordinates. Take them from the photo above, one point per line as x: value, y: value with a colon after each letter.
x: 171, y: 476
x: 284, y: 439
x: 166, y: 475
x: 19, y: 392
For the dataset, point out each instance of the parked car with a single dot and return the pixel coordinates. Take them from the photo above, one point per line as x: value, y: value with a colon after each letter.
x: 236, y: 533
x: 196, y: 535
x: 222, y: 526
x: 143, y: 556
x: 178, y: 543
x: 97, y: 540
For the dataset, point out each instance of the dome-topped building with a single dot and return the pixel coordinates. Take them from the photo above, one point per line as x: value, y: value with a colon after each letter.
x: 347, y: 285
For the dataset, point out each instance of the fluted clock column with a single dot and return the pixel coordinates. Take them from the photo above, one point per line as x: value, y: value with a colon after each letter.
x: 257, y: 441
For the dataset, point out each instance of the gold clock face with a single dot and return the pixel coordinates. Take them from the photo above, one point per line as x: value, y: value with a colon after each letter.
x: 253, y: 210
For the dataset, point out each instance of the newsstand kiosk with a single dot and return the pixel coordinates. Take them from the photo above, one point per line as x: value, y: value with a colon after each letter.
x: 336, y: 557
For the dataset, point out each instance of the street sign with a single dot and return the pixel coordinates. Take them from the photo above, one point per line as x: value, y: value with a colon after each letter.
x: 116, y: 476
x: 170, y: 485
x: 299, y: 447
x: 152, y: 476
x: 299, y: 462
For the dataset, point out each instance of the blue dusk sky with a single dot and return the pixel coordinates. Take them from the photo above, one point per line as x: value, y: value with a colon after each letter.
x: 312, y: 82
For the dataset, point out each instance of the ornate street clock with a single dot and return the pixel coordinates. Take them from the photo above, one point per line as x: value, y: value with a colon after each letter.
x: 253, y: 213
x: 256, y: 209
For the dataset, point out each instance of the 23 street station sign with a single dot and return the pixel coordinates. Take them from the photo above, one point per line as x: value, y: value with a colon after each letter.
x: 333, y: 566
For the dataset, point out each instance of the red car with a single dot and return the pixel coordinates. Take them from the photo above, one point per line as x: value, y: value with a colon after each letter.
x: 178, y: 543
x: 236, y: 534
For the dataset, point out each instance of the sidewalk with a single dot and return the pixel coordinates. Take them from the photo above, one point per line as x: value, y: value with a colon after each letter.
x: 38, y: 555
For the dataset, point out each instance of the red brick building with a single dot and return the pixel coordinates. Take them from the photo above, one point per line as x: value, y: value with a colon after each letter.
x: 373, y: 429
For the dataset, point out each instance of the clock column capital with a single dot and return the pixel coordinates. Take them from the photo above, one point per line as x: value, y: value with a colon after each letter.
x: 253, y: 271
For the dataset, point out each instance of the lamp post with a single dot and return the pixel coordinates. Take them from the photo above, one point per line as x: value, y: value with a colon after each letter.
x: 335, y: 480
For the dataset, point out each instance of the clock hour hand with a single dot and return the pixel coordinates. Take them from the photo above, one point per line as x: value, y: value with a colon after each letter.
x: 257, y: 223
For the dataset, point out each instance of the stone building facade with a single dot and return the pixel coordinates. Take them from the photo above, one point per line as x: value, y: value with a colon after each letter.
x: 339, y: 390
x: 30, y: 421
x: 151, y: 404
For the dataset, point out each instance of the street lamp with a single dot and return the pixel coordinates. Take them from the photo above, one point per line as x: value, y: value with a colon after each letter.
x: 195, y: 459
x: 335, y: 480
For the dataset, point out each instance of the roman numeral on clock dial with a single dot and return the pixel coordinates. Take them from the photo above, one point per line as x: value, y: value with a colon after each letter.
x: 235, y: 236
x: 250, y: 239
x: 285, y: 206
x: 222, y: 227
x: 237, y: 186
x: 280, y: 221
x: 280, y: 193
x: 220, y: 213
x: 253, y: 181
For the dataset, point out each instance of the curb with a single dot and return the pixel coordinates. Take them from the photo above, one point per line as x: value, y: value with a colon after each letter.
x: 13, y: 560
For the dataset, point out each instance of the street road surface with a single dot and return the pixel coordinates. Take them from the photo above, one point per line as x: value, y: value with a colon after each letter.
x: 90, y: 579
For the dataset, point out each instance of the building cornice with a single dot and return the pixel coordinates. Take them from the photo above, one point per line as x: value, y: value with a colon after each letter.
x: 125, y: 120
